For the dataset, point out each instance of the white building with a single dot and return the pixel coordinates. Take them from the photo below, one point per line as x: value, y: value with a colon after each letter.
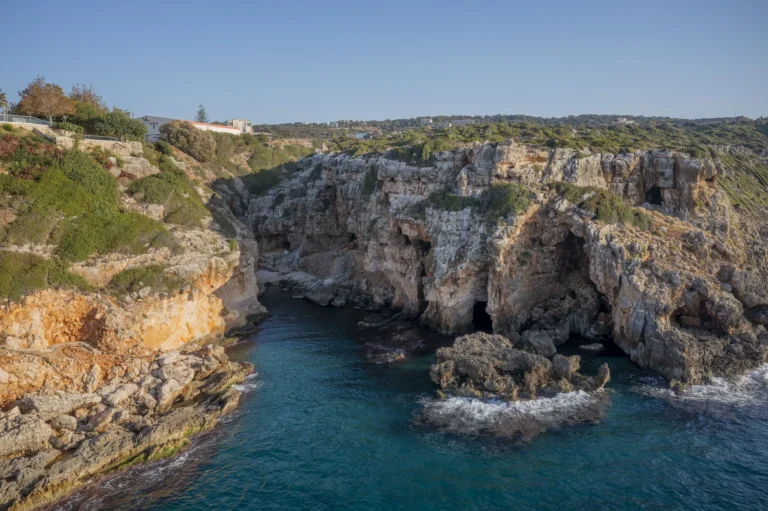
x: 244, y: 125
x: 154, y: 123
x: 425, y: 121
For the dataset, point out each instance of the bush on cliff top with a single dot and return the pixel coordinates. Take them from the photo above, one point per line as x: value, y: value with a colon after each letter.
x: 200, y: 145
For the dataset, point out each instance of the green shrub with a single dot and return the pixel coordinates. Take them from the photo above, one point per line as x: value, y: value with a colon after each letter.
x: 23, y: 273
x: 119, y: 124
x: 607, y: 207
x: 69, y: 200
x: 135, y: 279
x: 453, y: 202
x: 200, y: 145
x: 506, y: 198
x: 9, y: 128
x: 174, y: 191
x: 164, y: 147
x: 103, y: 155
x: 233, y: 245
x: 68, y: 126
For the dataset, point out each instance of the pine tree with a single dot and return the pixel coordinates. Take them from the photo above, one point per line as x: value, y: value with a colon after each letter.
x: 202, y: 115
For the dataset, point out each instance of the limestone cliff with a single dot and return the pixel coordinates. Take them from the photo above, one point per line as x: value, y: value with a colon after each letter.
x: 52, y: 339
x: 685, y: 296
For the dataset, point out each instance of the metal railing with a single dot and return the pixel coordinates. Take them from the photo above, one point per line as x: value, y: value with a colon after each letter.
x: 97, y: 137
x: 25, y: 119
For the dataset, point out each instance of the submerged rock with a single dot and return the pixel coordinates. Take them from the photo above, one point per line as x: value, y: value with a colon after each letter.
x: 595, y: 347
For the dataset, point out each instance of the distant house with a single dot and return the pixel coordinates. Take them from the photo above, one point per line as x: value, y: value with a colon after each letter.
x: 244, y: 125
x: 425, y: 121
x: 154, y: 123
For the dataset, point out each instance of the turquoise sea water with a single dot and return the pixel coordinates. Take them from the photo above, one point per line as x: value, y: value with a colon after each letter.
x: 322, y: 428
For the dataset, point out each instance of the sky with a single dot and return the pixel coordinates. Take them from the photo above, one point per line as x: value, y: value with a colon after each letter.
x: 316, y: 61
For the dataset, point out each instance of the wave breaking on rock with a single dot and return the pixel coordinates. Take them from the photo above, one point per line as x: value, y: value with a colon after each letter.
x: 518, y: 420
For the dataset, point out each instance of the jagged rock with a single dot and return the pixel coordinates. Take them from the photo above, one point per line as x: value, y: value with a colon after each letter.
x: 320, y: 295
x: 541, y: 342
x: 480, y: 364
x: 65, y: 422
x: 120, y: 394
x: 23, y: 433
x: 565, y: 367
x: 167, y: 392
x: 93, y: 378
x: 48, y: 407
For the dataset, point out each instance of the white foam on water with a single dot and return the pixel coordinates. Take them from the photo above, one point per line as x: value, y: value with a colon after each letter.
x: 750, y: 389
x: 249, y: 384
x: 470, y: 415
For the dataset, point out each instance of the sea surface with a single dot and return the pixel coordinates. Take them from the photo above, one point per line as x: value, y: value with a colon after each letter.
x: 322, y: 428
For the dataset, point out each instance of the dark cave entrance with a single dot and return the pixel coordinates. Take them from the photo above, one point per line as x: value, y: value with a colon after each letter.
x: 653, y: 196
x: 481, y: 320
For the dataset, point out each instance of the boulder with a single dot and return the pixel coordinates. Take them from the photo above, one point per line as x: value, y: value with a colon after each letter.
x: 541, y: 341
x: 320, y: 295
x: 64, y: 422
x: 23, y: 433
x: 48, y: 407
x: 120, y: 394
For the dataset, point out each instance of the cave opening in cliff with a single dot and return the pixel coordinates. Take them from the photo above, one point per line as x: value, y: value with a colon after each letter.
x: 653, y: 196
x: 481, y: 320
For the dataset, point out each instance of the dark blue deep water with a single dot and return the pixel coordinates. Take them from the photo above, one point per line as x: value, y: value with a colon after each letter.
x: 322, y: 428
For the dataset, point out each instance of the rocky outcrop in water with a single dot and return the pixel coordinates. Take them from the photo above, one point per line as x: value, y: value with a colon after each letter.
x: 375, y: 231
x: 53, y: 442
x: 490, y: 366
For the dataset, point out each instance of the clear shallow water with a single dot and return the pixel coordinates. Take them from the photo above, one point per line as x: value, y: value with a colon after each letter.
x: 323, y: 429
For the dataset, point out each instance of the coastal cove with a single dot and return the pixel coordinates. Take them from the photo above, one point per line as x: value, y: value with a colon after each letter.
x: 322, y: 427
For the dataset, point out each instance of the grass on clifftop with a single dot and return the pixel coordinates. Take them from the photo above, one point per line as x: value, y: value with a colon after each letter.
x: 65, y: 198
x: 23, y: 273
x: 419, y: 146
x: 745, y: 181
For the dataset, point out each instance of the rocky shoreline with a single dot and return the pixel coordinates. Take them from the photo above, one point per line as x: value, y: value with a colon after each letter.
x: 53, y: 442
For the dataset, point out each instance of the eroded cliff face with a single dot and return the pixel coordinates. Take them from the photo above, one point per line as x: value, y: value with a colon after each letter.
x: 52, y: 340
x: 368, y: 230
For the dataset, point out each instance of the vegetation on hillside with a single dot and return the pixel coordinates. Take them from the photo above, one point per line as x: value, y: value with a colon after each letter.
x: 172, y: 189
x: 698, y: 139
x: 66, y: 199
x: 499, y: 201
x: 135, y: 279
x: 607, y: 207
x: 23, y: 273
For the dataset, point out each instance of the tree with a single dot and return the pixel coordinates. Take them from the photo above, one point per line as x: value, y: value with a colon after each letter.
x: 3, y: 101
x: 199, y: 144
x: 118, y: 123
x: 89, y: 106
x: 45, y: 100
x: 202, y: 115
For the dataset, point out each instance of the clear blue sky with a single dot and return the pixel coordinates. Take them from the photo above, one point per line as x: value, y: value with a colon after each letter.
x: 284, y: 61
